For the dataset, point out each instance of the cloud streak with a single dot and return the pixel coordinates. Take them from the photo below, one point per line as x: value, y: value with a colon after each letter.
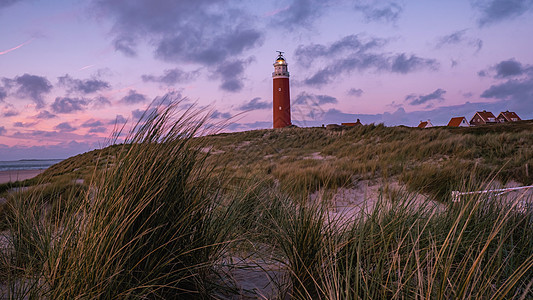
x: 16, y: 47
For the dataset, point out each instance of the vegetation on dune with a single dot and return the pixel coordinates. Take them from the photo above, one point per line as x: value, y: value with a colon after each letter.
x: 433, y: 161
x: 303, y: 160
x: 163, y: 214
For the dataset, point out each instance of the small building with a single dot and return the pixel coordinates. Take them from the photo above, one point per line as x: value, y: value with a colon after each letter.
x: 334, y: 127
x: 425, y: 124
x: 483, y: 117
x: 358, y: 123
x: 508, y: 116
x: 458, y: 122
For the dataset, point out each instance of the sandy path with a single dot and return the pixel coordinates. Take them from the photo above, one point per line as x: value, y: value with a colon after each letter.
x: 14, y: 175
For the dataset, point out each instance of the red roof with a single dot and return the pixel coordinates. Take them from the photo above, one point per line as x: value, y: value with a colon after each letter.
x: 487, y: 116
x: 422, y: 124
x: 352, y: 124
x: 455, y: 122
x: 509, y: 116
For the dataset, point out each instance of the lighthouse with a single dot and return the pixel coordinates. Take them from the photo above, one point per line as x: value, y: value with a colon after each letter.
x: 281, y: 94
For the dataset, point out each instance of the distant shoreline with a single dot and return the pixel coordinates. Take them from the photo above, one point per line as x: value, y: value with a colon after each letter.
x: 14, y: 175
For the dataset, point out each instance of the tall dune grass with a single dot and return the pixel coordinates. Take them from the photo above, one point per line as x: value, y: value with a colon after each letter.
x: 150, y: 224
x: 477, y: 249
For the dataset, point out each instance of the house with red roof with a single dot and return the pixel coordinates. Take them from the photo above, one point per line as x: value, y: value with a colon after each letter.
x: 458, y: 122
x: 483, y: 117
x: 508, y: 116
x: 425, y: 124
x: 358, y: 123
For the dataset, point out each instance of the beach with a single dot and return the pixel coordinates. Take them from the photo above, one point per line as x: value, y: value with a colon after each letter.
x: 14, y: 175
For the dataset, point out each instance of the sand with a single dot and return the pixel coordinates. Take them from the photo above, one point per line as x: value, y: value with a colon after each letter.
x: 14, y: 175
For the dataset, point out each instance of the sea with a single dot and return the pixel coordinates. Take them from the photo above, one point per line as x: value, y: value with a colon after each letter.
x: 27, y: 164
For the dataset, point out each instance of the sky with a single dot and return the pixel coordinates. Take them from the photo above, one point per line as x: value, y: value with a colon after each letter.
x: 71, y: 71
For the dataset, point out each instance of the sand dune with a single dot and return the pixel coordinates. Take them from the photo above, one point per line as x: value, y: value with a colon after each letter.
x: 14, y: 175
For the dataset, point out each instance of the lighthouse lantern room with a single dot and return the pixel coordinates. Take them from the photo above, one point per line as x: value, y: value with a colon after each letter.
x: 281, y: 93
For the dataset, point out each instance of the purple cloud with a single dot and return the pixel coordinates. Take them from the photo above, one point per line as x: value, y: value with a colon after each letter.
x: 306, y: 105
x: 403, y: 64
x: 187, y: 31
x: 138, y: 113
x: 355, y: 92
x: 66, y: 105
x: 98, y: 130
x: 3, y: 94
x: 6, y: 3
x: 171, y: 77
x: 312, y: 99
x: 509, y: 68
x: 459, y: 38
x: 355, y: 53
x: 300, y: 13
x: 389, y: 12
x: 422, y: 99
x: 87, y: 86
x: 29, y: 86
x: 126, y: 45
x: 231, y: 74
x: 119, y: 119
x: 45, y: 115
x: 9, y: 111
x: 133, y: 97
x: 254, y: 104
x: 3, y: 130
x: 351, y: 44
x: 220, y: 115
x: 100, y: 102
x: 92, y: 123
x: 64, y: 127
x: 24, y: 125
x: 506, y: 69
x: 517, y: 94
x: 494, y: 11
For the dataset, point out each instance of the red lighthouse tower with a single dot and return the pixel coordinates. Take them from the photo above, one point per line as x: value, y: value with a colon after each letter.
x: 281, y: 94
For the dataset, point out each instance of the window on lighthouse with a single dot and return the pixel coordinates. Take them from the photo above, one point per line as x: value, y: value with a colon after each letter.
x: 280, y: 108
x: 279, y: 89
